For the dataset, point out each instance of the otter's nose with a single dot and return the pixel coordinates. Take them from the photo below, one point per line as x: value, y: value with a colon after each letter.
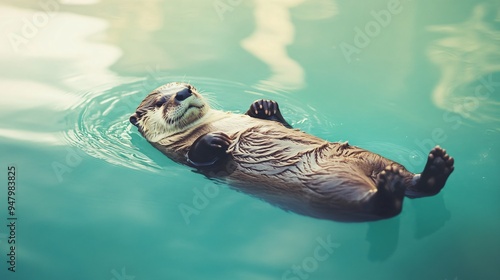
x: 183, y: 94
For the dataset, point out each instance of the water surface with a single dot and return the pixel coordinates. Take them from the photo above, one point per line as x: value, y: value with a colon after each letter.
x: 95, y: 201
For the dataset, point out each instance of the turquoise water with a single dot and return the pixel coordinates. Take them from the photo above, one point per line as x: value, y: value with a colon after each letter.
x: 94, y: 200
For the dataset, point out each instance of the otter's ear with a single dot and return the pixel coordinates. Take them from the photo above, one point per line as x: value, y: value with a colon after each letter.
x: 133, y: 119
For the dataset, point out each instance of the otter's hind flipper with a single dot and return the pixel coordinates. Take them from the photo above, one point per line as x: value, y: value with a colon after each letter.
x: 437, y: 170
x: 388, y: 200
x: 208, y: 150
x: 267, y: 110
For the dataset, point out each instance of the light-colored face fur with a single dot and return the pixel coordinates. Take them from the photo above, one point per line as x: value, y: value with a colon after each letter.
x: 169, y: 109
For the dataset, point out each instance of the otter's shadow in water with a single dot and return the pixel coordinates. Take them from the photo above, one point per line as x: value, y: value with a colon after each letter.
x: 383, y: 236
x: 430, y: 216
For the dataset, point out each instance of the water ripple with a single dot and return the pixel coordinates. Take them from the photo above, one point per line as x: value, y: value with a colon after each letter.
x: 102, y: 130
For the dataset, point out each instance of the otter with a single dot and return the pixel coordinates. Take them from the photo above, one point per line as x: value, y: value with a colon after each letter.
x: 259, y: 153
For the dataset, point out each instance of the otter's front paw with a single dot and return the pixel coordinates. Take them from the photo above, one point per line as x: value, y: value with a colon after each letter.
x: 208, y: 149
x: 263, y: 108
x: 267, y: 110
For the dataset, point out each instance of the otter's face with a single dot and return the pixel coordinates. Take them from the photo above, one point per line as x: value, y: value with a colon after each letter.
x: 168, y: 109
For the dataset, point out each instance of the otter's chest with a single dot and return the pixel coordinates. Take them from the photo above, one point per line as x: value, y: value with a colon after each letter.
x: 253, y: 141
x: 234, y: 124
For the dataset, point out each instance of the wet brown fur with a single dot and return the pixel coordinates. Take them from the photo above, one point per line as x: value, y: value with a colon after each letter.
x: 288, y: 167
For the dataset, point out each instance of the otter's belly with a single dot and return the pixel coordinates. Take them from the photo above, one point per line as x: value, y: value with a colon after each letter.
x: 286, y: 167
x: 296, y: 170
x: 267, y: 148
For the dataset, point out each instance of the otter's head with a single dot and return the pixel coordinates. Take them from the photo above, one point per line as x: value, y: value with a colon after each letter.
x: 168, y: 109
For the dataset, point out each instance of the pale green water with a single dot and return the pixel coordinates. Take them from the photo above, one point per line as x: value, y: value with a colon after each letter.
x: 95, y: 201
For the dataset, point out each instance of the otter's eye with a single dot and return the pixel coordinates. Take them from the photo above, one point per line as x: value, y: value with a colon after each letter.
x: 160, y: 102
x: 192, y: 88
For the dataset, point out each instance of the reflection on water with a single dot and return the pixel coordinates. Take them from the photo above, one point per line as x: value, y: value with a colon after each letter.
x: 315, y: 10
x: 468, y: 56
x: 79, y: 2
x: 48, y: 64
x: 274, y: 31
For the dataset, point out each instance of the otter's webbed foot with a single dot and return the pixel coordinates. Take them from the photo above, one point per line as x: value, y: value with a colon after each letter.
x: 388, y: 201
x: 208, y: 149
x: 437, y: 170
x: 267, y: 110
